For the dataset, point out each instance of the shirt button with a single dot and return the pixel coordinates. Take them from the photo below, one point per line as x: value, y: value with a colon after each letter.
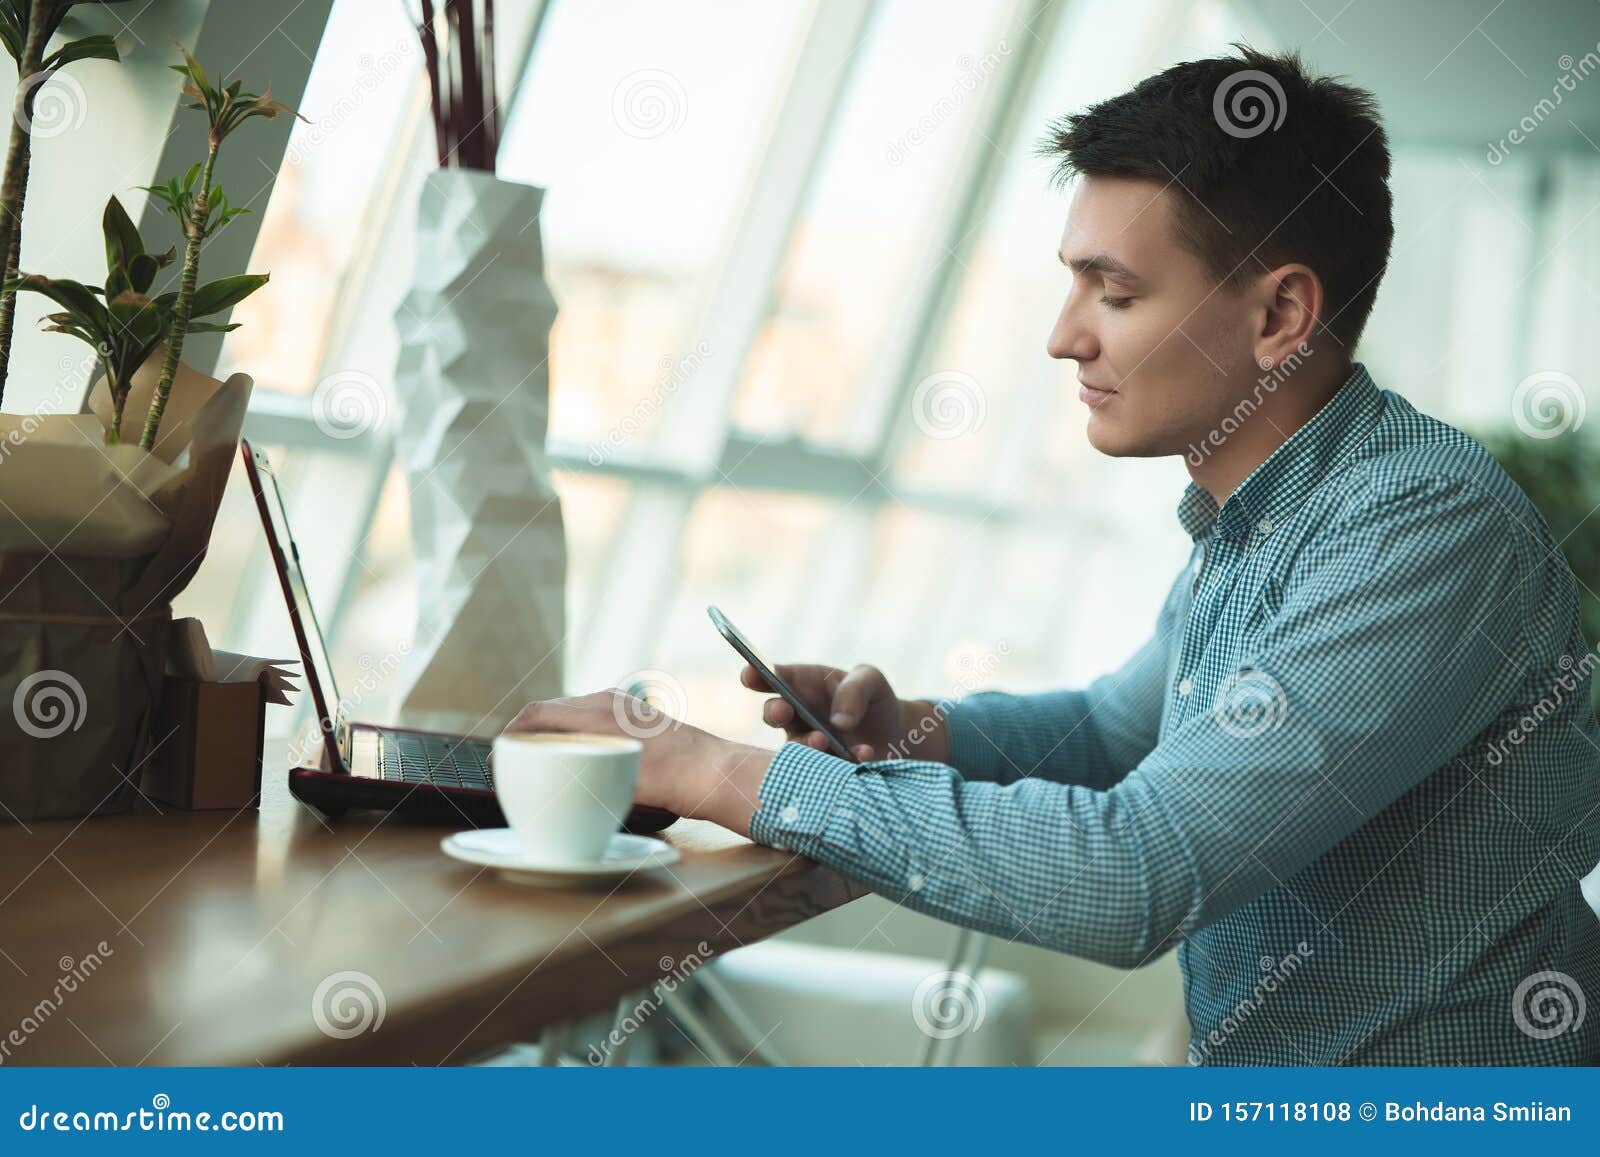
x: 1265, y: 526
x: 790, y: 815
x: 1185, y: 686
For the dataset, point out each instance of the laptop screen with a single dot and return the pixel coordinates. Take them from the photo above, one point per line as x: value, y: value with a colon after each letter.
x: 308, y: 632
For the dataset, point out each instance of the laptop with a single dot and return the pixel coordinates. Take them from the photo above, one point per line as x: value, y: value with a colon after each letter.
x: 425, y: 775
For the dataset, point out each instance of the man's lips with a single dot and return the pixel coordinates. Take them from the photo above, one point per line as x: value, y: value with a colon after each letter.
x: 1094, y: 395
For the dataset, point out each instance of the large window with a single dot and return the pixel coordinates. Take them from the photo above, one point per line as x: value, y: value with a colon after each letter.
x: 860, y: 243
x: 644, y: 121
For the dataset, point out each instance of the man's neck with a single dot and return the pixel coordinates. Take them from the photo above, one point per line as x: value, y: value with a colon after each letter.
x: 1282, y: 403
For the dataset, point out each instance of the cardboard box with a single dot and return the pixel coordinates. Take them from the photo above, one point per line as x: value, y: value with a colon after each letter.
x: 208, y: 739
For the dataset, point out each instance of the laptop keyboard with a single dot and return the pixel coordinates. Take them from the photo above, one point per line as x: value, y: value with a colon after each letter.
x: 436, y: 759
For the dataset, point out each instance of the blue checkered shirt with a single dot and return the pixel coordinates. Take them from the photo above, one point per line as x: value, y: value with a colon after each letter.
x: 1353, y: 777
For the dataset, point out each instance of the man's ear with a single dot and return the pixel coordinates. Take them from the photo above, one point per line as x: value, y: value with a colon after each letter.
x: 1293, y: 303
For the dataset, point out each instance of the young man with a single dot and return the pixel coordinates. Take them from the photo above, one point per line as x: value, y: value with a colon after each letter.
x: 1352, y: 777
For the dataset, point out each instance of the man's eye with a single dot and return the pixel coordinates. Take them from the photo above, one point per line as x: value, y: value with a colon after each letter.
x: 1116, y: 302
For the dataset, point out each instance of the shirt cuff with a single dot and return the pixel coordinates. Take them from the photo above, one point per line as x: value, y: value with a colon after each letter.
x: 797, y: 795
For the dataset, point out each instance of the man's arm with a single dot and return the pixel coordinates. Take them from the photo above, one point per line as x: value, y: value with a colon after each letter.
x: 1091, y: 737
x: 1398, y: 640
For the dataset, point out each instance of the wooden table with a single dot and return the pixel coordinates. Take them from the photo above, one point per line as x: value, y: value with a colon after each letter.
x: 222, y: 932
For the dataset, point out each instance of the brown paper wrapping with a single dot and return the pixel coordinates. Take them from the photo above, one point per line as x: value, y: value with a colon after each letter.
x: 95, y: 542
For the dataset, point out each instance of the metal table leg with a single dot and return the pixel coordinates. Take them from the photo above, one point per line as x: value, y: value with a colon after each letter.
x: 966, y: 959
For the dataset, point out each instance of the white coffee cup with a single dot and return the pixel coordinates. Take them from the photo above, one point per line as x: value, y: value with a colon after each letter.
x: 564, y: 794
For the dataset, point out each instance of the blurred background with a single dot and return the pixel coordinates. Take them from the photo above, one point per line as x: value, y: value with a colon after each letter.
x: 804, y: 253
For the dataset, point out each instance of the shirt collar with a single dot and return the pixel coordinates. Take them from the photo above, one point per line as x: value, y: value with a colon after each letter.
x: 1282, y: 480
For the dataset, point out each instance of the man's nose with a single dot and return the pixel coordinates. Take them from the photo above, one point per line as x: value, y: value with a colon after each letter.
x: 1070, y: 338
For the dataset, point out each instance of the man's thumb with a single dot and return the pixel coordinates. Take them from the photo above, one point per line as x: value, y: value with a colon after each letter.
x: 853, y: 694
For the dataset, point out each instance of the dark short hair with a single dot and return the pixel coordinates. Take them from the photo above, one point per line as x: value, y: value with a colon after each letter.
x: 1269, y: 164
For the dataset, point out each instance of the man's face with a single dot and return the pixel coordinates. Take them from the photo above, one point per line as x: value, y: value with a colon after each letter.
x: 1145, y: 320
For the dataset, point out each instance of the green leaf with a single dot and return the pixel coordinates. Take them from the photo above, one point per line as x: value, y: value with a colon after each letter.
x: 265, y: 106
x: 137, y: 325
x: 162, y: 196
x: 222, y: 221
x: 212, y: 327
x: 224, y: 293
x: 122, y: 236
x: 172, y: 199
x: 141, y: 273
x: 100, y: 47
x: 66, y: 323
x: 191, y: 68
x: 77, y: 298
x: 135, y: 316
x: 13, y: 20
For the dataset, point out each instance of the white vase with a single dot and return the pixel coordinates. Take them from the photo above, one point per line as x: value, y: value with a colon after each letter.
x: 473, y: 399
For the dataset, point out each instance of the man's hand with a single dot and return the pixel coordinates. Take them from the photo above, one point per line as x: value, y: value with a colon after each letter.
x: 859, y: 706
x: 682, y: 768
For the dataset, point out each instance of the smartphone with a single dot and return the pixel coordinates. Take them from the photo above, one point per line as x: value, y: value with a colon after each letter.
x: 739, y: 643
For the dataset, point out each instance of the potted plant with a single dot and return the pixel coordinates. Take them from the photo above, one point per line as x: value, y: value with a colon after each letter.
x: 26, y: 29
x: 472, y: 405
x: 202, y: 211
x: 1560, y: 474
x: 125, y: 326
x: 110, y: 512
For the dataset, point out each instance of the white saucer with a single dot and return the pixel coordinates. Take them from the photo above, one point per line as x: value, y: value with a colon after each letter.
x: 499, y: 848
